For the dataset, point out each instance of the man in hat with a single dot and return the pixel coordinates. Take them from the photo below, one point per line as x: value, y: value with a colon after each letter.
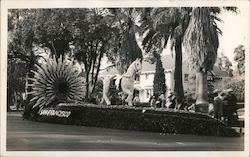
x: 232, y: 107
x: 172, y: 100
x: 162, y: 100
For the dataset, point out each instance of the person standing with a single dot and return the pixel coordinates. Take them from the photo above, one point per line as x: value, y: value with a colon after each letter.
x: 232, y: 107
x: 218, y: 105
x: 172, y: 100
x: 136, y: 100
x: 162, y: 100
x: 152, y: 101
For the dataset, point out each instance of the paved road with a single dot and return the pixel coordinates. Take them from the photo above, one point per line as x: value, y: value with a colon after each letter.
x: 27, y: 135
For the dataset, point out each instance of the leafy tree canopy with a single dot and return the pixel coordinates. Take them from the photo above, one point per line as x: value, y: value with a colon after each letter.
x: 86, y: 34
x: 224, y: 64
x: 240, y: 59
x: 201, y: 39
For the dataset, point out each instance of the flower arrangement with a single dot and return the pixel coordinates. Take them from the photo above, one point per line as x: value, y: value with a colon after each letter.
x: 57, y: 80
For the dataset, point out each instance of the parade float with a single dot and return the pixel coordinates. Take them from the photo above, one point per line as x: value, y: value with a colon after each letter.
x: 58, y: 97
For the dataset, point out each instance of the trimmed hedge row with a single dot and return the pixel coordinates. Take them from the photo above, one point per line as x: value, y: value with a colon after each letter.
x: 139, y: 118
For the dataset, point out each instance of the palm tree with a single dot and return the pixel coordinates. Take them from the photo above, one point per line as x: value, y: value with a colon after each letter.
x: 166, y: 24
x: 126, y: 49
x: 201, y: 44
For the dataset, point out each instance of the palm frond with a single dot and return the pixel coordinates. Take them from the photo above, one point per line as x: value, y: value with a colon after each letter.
x: 201, y: 40
x: 148, y: 37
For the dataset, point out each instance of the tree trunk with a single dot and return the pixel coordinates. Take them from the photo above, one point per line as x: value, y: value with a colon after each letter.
x: 178, y: 85
x: 97, y: 71
x: 28, y: 104
x: 88, y: 65
x: 87, y: 86
x: 201, y: 92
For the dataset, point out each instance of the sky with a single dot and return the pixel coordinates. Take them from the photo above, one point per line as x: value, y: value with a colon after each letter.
x: 235, y: 30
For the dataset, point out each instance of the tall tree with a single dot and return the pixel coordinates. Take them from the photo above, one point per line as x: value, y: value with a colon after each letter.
x: 240, y: 59
x: 91, y: 43
x: 161, y: 25
x: 159, y: 86
x: 201, y: 44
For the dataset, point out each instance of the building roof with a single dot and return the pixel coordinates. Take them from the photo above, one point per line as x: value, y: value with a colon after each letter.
x: 167, y: 62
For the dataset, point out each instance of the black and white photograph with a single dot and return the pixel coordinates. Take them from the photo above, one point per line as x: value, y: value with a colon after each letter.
x: 127, y: 78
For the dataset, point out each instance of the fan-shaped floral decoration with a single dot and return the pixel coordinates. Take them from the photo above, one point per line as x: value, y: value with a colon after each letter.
x: 56, y: 81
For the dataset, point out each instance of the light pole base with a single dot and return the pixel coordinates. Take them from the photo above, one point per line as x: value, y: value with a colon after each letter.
x: 202, y: 108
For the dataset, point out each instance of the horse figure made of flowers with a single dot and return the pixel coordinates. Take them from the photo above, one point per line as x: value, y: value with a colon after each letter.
x: 125, y: 82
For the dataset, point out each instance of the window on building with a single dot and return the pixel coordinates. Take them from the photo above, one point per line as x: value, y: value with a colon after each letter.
x: 148, y: 94
x: 146, y: 76
x: 186, y: 77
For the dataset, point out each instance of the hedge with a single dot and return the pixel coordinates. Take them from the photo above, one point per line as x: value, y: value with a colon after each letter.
x: 135, y: 118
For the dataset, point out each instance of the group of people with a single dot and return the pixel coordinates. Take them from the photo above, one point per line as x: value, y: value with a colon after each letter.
x: 225, y: 106
x: 157, y: 101
x: 172, y: 102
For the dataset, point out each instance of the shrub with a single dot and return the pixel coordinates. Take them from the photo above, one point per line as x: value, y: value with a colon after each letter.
x: 238, y: 86
x: 139, y: 118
